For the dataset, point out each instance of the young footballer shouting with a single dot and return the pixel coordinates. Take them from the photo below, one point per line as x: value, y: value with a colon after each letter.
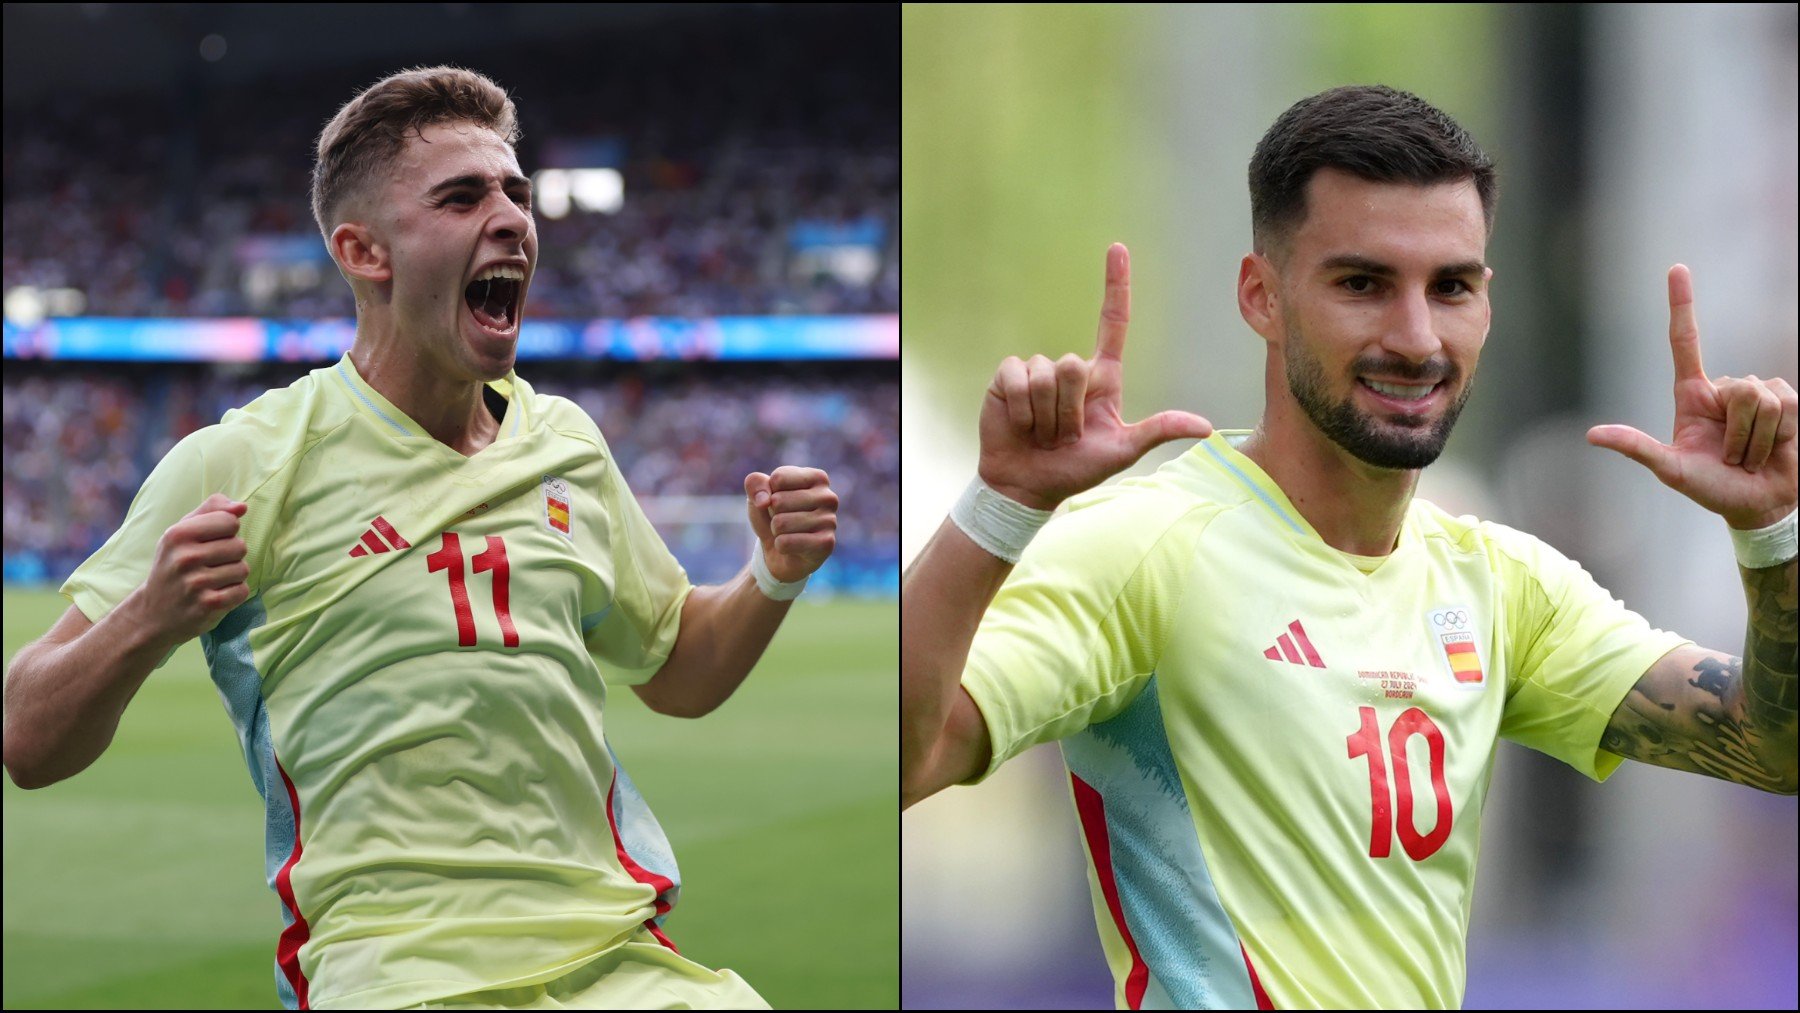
x: 407, y: 570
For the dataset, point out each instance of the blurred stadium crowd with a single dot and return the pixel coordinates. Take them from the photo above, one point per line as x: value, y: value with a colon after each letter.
x: 757, y: 179
x: 79, y: 443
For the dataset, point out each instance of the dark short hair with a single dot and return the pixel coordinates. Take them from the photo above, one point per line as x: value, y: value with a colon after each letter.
x: 361, y: 141
x: 1373, y: 132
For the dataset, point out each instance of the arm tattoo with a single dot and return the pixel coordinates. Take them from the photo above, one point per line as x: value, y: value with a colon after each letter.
x: 1771, y: 658
x: 1731, y: 718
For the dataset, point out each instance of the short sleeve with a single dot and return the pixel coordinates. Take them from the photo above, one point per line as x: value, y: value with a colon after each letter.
x: 1079, y: 626
x: 1575, y: 649
x: 194, y: 469
x: 634, y: 633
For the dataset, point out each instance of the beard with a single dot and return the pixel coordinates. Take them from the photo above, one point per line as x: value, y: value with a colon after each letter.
x: 1398, y: 442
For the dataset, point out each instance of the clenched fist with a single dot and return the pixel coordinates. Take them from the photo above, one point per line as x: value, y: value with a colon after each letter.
x: 1052, y: 429
x: 199, y: 572
x: 794, y: 514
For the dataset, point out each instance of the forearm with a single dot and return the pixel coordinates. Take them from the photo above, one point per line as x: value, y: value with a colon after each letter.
x: 1771, y: 657
x: 64, y: 700
x: 942, y: 598
x: 724, y: 630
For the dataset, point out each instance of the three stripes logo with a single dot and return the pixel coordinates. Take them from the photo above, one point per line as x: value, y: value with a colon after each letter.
x: 380, y: 537
x: 1294, y: 648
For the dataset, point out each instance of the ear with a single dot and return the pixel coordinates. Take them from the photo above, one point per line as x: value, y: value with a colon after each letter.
x: 1257, y: 295
x: 359, y: 254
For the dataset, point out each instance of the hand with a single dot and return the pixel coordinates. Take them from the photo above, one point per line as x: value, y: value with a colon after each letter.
x: 1052, y: 429
x: 794, y: 514
x: 1734, y: 449
x: 199, y: 572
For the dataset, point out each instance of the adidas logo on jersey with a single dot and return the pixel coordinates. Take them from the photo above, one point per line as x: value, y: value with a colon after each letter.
x: 380, y: 537
x: 1294, y: 648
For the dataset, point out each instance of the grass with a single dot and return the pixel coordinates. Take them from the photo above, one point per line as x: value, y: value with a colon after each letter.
x: 138, y: 883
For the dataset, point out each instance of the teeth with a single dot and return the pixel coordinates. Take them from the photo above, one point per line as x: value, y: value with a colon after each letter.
x: 1397, y: 390
x: 510, y: 271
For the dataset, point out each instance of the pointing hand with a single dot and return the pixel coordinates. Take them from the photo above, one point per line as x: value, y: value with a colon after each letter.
x: 1733, y: 449
x: 1052, y: 429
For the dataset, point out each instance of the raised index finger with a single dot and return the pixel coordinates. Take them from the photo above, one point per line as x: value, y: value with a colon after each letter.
x: 1684, y: 333
x: 1115, y: 309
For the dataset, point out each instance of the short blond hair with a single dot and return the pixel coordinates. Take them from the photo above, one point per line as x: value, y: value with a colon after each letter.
x: 366, y: 135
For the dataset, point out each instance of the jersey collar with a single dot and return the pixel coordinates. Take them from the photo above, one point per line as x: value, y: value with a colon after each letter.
x: 398, y: 424
x: 1221, y: 448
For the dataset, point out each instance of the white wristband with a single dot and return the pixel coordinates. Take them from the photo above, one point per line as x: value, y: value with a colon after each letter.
x: 1766, y: 547
x: 777, y: 590
x: 1000, y: 525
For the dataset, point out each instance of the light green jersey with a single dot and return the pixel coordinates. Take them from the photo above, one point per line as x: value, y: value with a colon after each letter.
x: 415, y: 687
x: 1279, y: 752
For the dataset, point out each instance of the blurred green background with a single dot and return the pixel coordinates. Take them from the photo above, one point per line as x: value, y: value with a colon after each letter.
x: 1629, y: 137
x: 138, y: 883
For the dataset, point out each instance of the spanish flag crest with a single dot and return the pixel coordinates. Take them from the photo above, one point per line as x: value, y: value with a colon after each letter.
x: 556, y: 507
x: 1455, y: 633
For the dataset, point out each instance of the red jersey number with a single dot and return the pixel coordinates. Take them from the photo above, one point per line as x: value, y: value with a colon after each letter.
x: 449, y: 557
x: 1367, y: 741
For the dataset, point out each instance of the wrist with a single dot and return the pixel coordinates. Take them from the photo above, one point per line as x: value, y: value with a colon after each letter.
x: 1769, y: 545
x: 1024, y: 497
x: 1757, y: 520
x: 137, y: 627
x: 999, y: 523
x: 771, y: 587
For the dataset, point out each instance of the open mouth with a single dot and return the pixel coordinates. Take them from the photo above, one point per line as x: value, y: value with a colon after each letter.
x: 494, y: 302
x: 1400, y: 392
x: 1402, y: 399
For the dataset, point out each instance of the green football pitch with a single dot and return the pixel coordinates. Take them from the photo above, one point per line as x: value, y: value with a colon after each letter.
x: 138, y: 883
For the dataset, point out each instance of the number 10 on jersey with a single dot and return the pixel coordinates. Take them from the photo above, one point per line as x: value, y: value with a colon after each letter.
x: 1367, y: 741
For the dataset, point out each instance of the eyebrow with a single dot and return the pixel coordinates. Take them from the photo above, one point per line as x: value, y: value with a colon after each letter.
x: 1356, y: 262
x: 475, y: 182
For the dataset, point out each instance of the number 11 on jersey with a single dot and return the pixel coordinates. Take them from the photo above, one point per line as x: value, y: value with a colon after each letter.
x: 449, y: 557
x: 1367, y: 741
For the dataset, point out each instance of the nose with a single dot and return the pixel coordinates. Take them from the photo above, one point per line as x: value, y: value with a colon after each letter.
x: 509, y: 221
x: 1410, y: 333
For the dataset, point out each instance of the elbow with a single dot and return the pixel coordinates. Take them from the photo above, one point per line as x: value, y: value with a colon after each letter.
x: 674, y: 705
x: 21, y: 781
x: 12, y: 755
x: 683, y: 708
x: 21, y: 770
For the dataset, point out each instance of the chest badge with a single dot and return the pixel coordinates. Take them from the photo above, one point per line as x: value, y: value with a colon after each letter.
x: 1454, y: 631
x: 557, y: 515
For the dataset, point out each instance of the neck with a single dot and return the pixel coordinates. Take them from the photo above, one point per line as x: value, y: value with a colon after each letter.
x: 448, y: 407
x: 1355, y: 507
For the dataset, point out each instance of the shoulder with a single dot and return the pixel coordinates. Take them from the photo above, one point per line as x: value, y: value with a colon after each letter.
x: 1121, y: 528
x: 1189, y: 489
x: 1516, y: 557
x: 264, y: 437
x: 560, y: 415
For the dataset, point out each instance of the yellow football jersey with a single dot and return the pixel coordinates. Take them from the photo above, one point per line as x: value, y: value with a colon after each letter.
x: 1279, y: 752
x: 414, y: 683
